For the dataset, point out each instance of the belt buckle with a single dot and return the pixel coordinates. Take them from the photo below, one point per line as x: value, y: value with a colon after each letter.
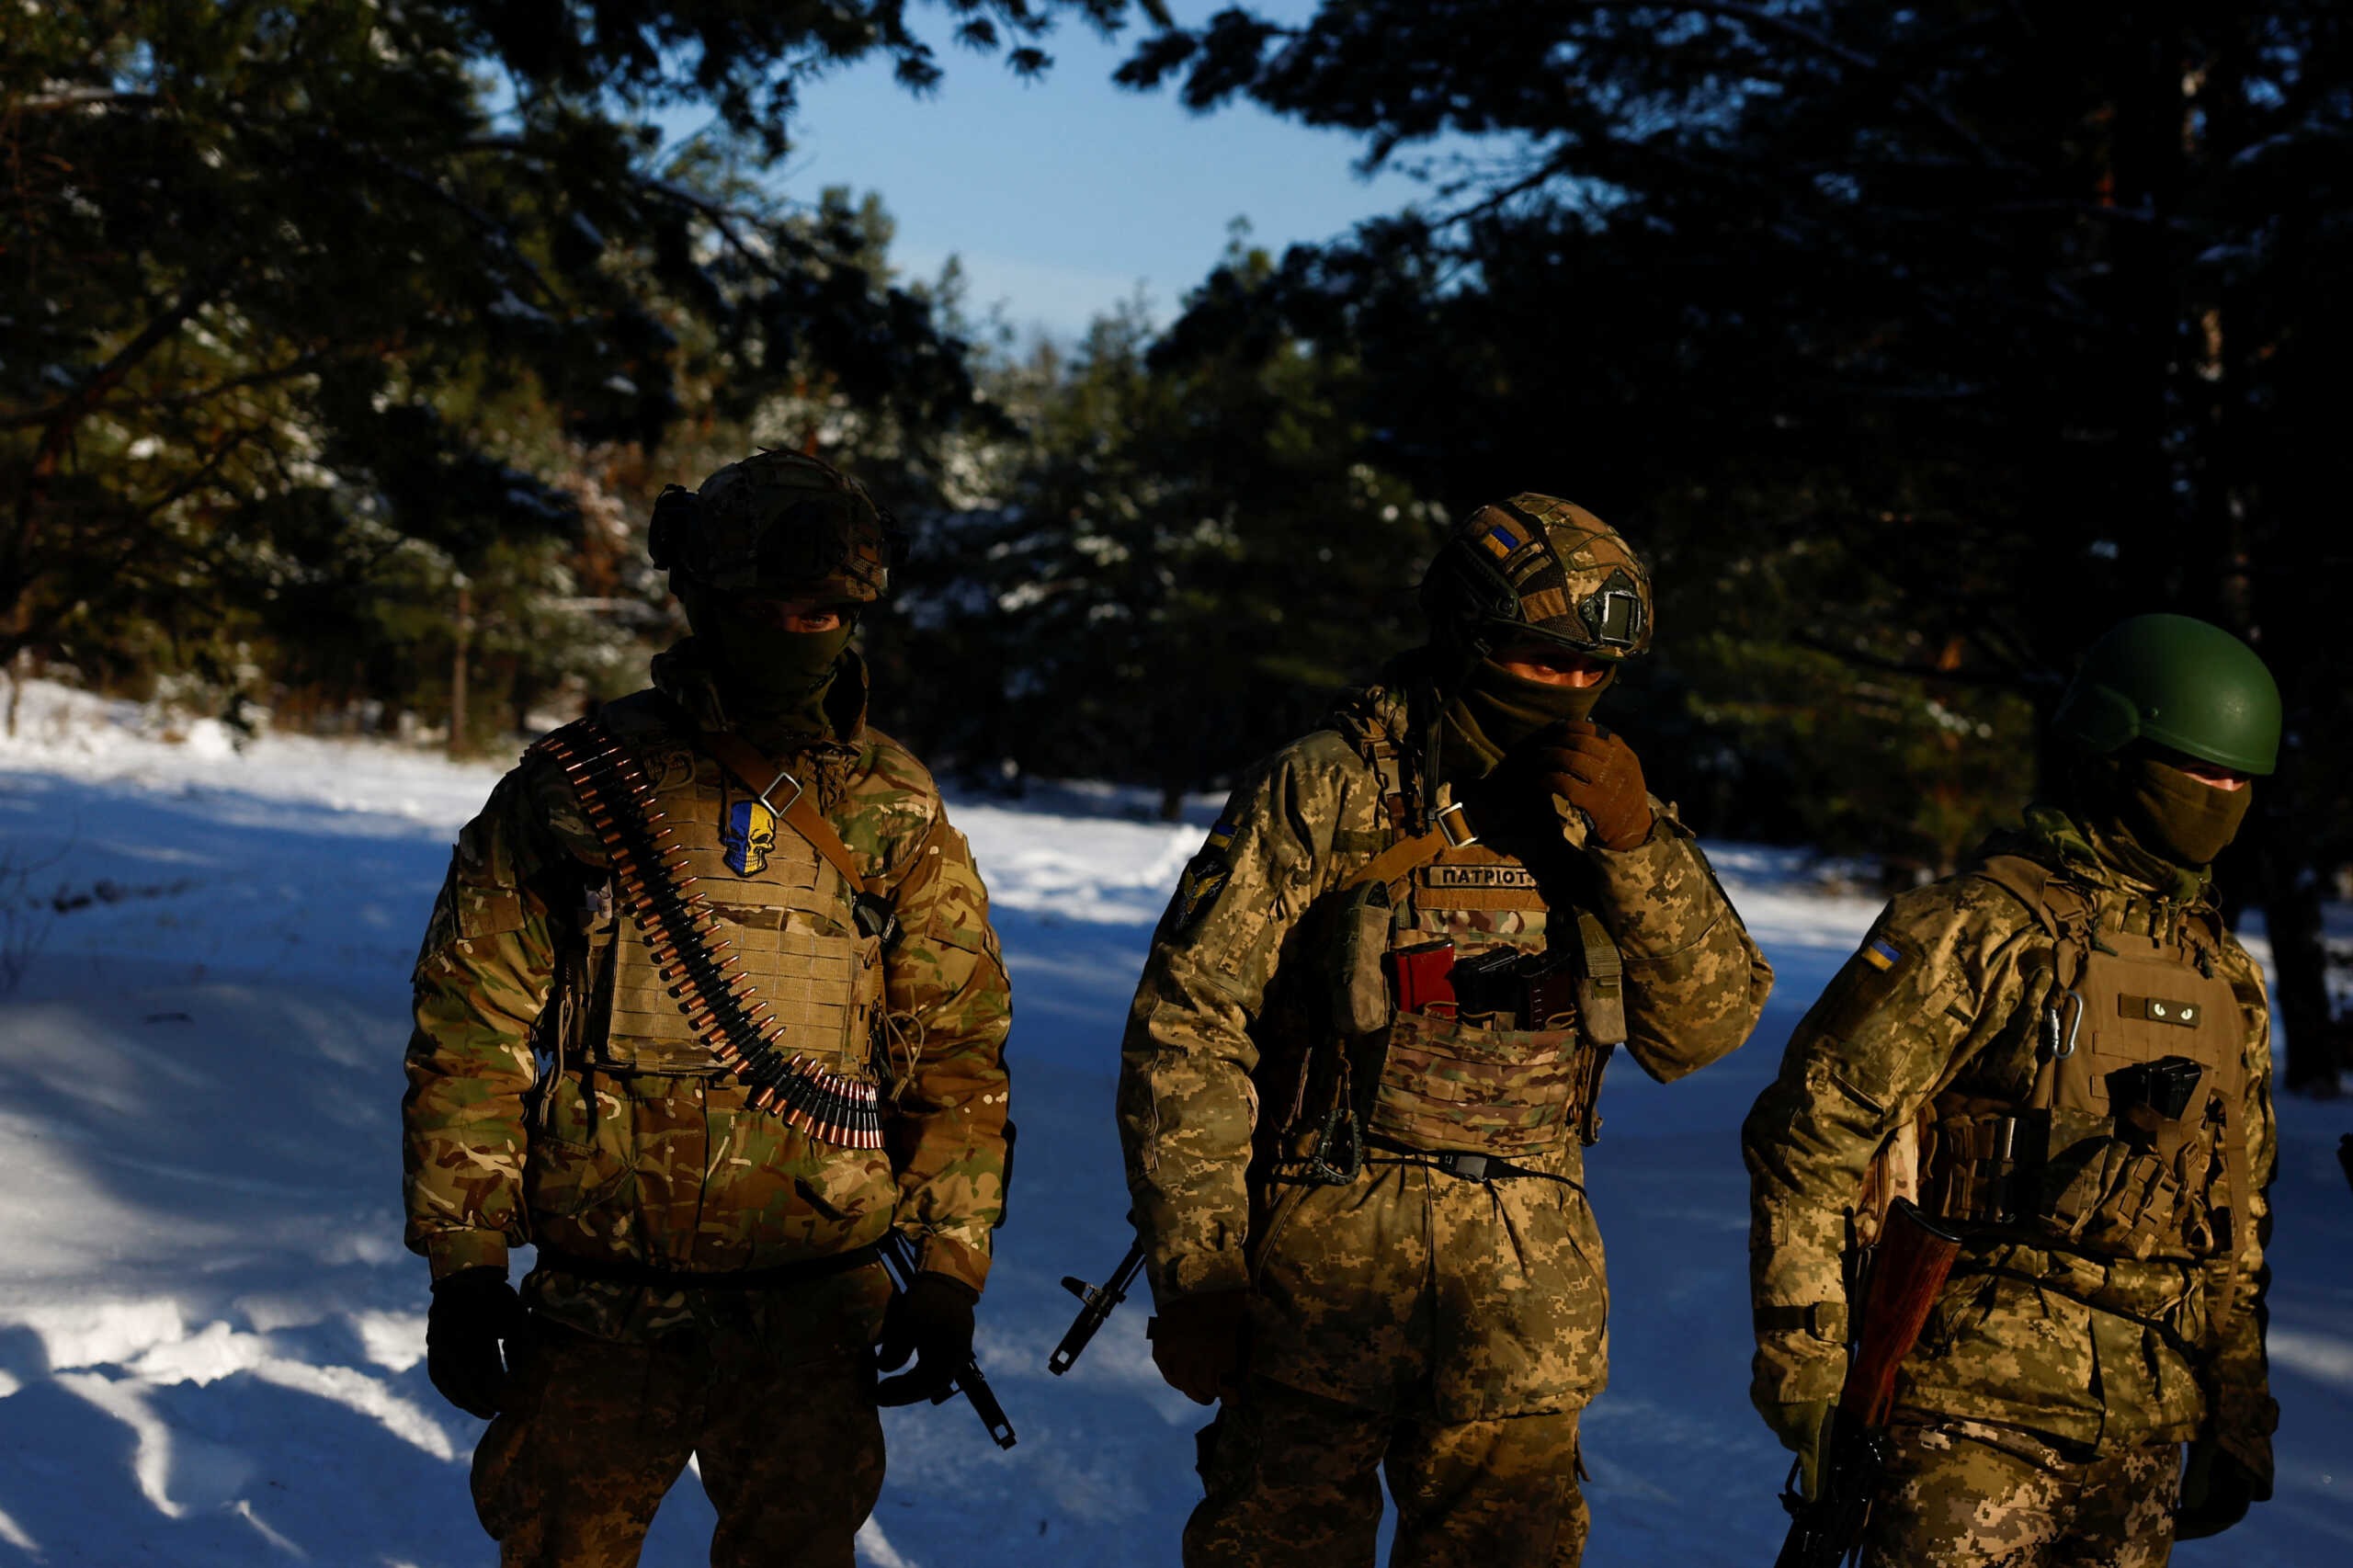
x: 1470, y: 1167
x: 1459, y: 834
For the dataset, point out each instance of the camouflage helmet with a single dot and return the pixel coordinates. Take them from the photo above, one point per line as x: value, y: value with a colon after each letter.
x: 1535, y: 568
x: 2186, y: 686
x: 778, y: 523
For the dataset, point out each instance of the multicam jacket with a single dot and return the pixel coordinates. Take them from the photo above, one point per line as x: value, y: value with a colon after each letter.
x: 526, y: 1123
x: 1400, y: 1283
x: 2107, y: 1298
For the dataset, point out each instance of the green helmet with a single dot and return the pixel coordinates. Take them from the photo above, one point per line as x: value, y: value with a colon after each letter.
x: 778, y: 523
x: 2180, y: 683
x: 1535, y: 568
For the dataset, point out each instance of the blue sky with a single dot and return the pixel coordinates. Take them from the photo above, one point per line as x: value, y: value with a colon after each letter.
x: 1063, y: 195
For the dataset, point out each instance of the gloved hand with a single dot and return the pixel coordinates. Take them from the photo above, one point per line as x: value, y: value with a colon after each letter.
x: 1804, y: 1429
x: 473, y: 1311
x: 932, y: 1321
x: 1197, y: 1342
x: 1591, y: 768
x: 2216, y: 1492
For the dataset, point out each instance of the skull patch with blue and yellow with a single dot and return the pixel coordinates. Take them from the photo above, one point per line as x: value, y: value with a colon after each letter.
x: 749, y: 837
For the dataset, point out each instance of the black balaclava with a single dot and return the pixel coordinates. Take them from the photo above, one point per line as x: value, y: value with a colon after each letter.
x: 772, y: 681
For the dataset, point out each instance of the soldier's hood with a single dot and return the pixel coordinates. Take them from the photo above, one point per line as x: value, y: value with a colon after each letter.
x: 2100, y: 857
x: 683, y: 674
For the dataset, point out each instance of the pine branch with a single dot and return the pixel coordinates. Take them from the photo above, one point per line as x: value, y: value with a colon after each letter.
x: 1767, y: 21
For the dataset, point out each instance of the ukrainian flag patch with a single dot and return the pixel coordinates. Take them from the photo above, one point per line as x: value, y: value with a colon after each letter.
x: 1881, y: 954
x: 1500, y: 540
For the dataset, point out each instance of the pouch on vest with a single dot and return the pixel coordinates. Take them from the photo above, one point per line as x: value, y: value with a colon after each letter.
x: 1423, y: 976
x: 1360, y: 1002
x: 1601, y: 984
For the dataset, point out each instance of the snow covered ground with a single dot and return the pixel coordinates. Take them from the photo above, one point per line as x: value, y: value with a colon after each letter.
x: 211, y: 1342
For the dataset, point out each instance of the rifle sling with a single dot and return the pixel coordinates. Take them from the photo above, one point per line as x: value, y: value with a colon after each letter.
x: 751, y: 766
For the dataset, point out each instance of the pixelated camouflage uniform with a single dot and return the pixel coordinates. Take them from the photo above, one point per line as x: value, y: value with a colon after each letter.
x: 1450, y: 1328
x: 2059, y: 1361
x: 517, y: 1134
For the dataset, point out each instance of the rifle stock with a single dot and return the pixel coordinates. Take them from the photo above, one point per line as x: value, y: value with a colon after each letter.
x: 1908, y: 1269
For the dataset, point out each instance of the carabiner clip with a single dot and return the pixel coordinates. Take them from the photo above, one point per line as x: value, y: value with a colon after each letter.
x: 2059, y: 1047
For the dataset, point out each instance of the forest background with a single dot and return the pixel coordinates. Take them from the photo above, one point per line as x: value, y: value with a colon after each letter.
x: 344, y: 344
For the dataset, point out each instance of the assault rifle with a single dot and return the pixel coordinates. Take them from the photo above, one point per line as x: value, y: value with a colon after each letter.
x: 899, y: 1263
x: 1908, y: 1268
x: 1099, y: 1302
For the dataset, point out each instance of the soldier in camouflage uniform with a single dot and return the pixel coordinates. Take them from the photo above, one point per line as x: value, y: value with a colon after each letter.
x: 2063, y: 1053
x: 705, y: 1281
x: 1363, y: 1063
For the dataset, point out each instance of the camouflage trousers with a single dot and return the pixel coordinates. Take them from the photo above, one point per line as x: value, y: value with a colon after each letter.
x: 1973, y: 1494
x: 595, y: 1433
x: 1292, y: 1479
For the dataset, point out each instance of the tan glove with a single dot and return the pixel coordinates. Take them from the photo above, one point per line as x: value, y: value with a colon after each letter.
x: 1804, y: 1430
x: 1596, y: 771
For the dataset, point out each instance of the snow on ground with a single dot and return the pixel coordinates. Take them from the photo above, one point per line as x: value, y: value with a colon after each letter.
x: 211, y: 1342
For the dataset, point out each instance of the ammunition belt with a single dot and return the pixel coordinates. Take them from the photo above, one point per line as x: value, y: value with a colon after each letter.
x: 620, y: 1271
x: 681, y: 932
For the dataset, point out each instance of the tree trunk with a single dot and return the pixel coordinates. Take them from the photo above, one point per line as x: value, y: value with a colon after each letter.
x: 2305, y: 1044
x: 464, y: 629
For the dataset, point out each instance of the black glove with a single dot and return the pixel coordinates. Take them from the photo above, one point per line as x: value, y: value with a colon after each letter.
x: 2216, y: 1492
x: 932, y: 1321
x: 1197, y: 1342
x: 473, y: 1311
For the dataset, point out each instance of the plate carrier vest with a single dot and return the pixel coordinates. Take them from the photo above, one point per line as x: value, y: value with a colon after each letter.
x: 1437, y: 1075
x: 2129, y: 1143
x: 768, y: 952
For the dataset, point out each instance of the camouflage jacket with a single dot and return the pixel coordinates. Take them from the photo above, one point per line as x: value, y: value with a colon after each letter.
x: 1226, y: 1005
x: 2079, y: 1347
x: 675, y: 1170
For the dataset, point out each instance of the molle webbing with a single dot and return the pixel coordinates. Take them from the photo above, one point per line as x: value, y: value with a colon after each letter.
x: 681, y: 935
x: 1445, y: 1084
x: 2092, y: 1158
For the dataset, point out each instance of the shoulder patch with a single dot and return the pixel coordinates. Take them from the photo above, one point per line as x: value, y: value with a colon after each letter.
x: 1862, y: 985
x: 1206, y: 875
